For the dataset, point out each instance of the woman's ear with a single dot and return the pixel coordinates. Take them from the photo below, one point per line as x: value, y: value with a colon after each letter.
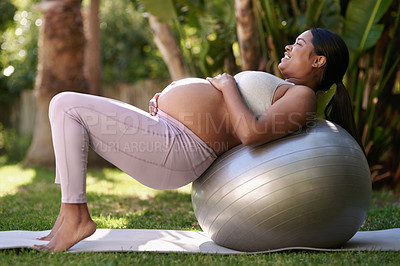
x: 319, y: 61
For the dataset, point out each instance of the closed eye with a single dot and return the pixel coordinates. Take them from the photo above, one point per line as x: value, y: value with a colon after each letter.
x: 299, y: 40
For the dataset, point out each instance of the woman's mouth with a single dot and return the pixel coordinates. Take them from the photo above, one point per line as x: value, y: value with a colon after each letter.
x: 286, y: 56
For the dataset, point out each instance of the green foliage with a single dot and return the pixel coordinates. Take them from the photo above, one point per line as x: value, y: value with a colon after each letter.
x: 7, y: 10
x: 20, y: 50
x: 362, y: 29
x: 213, y: 31
x: 127, y: 48
x: 18, y: 54
x: 205, y: 29
x: 377, y: 112
x: 19, y: 46
x: 12, y: 146
x: 284, y: 21
x: 128, y: 52
x: 217, y: 34
x: 163, y: 11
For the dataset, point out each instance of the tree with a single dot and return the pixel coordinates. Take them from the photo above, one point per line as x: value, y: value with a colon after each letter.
x: 92, y: 53
x: 60, y: 68
x: 160, y: 14
x: 166, y: 43
x: 247, y: 32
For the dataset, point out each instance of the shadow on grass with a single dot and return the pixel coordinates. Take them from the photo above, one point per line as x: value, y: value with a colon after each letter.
x: 36, y: 206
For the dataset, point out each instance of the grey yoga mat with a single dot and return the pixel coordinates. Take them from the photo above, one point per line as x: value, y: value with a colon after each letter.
x: 150, y: 240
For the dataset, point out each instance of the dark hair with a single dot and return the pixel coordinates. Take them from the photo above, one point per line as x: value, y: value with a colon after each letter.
x: 339, y: 109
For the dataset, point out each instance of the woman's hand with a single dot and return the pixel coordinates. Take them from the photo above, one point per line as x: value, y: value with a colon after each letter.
x: 222, y: 81
x: 153, y: 104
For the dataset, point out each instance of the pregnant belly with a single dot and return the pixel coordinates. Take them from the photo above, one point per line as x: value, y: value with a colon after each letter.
x: 187, y: 98
x: 200, y: 107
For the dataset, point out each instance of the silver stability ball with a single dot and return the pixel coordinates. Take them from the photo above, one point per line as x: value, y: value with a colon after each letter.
x: 309, y: 189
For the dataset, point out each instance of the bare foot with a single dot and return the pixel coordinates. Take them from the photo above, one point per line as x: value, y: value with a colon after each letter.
x: 56, y: 226
x: 76, y: 226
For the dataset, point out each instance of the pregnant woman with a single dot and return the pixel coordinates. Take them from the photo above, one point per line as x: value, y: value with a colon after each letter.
x: 192, y: 122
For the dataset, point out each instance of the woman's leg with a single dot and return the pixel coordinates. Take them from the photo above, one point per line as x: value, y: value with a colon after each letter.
x: 70, y: 142
x: 56, y: 226
x: 139, y: 144
x: 75, y: 225
x: 131, y: 139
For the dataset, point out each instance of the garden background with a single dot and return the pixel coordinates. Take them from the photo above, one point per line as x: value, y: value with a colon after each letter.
x: 130, y: 49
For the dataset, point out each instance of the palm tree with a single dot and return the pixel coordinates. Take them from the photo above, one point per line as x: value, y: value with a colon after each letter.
x: 92, y: 53
x: 247, y: 33
x: 60, y: 68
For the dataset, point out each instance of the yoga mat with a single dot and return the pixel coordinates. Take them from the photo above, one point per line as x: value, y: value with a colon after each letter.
x: 139, y: 240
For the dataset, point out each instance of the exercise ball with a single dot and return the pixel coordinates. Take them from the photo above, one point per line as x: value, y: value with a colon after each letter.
x: 308, y: 189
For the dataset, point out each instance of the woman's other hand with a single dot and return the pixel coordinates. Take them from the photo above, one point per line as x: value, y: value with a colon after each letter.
x: 222, y: 81
x: 153, y: 104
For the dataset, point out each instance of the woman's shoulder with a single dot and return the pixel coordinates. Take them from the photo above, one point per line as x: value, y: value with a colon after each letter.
x: 299, y: 93
x: 300, y: 89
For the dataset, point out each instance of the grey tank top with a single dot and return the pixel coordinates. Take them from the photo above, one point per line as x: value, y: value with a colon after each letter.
x: 257, y: 89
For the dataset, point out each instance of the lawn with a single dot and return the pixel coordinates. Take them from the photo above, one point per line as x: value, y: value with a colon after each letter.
x: 29, y: 200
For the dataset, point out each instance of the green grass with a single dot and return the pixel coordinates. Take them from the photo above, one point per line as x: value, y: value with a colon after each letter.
x: 29, y: 200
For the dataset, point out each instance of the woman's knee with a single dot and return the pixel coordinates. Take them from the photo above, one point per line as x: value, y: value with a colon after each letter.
x: 61, y: 102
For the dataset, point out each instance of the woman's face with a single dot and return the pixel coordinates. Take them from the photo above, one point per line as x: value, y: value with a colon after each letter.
x: 300, y: 58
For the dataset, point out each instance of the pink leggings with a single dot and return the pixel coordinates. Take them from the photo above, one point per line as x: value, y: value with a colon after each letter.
x: 158, y: 151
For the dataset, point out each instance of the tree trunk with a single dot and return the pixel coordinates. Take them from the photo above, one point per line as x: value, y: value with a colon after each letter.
x: 92, y: 52
x: 168, y: 47
x: 60, y: 68
x: 249, y: 44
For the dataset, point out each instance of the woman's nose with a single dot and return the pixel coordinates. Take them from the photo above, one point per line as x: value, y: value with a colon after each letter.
x: 288, y: 47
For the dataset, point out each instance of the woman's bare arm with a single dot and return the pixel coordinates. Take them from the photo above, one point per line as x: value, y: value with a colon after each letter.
x: 286, y: 115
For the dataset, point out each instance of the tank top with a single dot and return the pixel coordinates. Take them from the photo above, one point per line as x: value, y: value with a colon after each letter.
x: 257, y: 89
